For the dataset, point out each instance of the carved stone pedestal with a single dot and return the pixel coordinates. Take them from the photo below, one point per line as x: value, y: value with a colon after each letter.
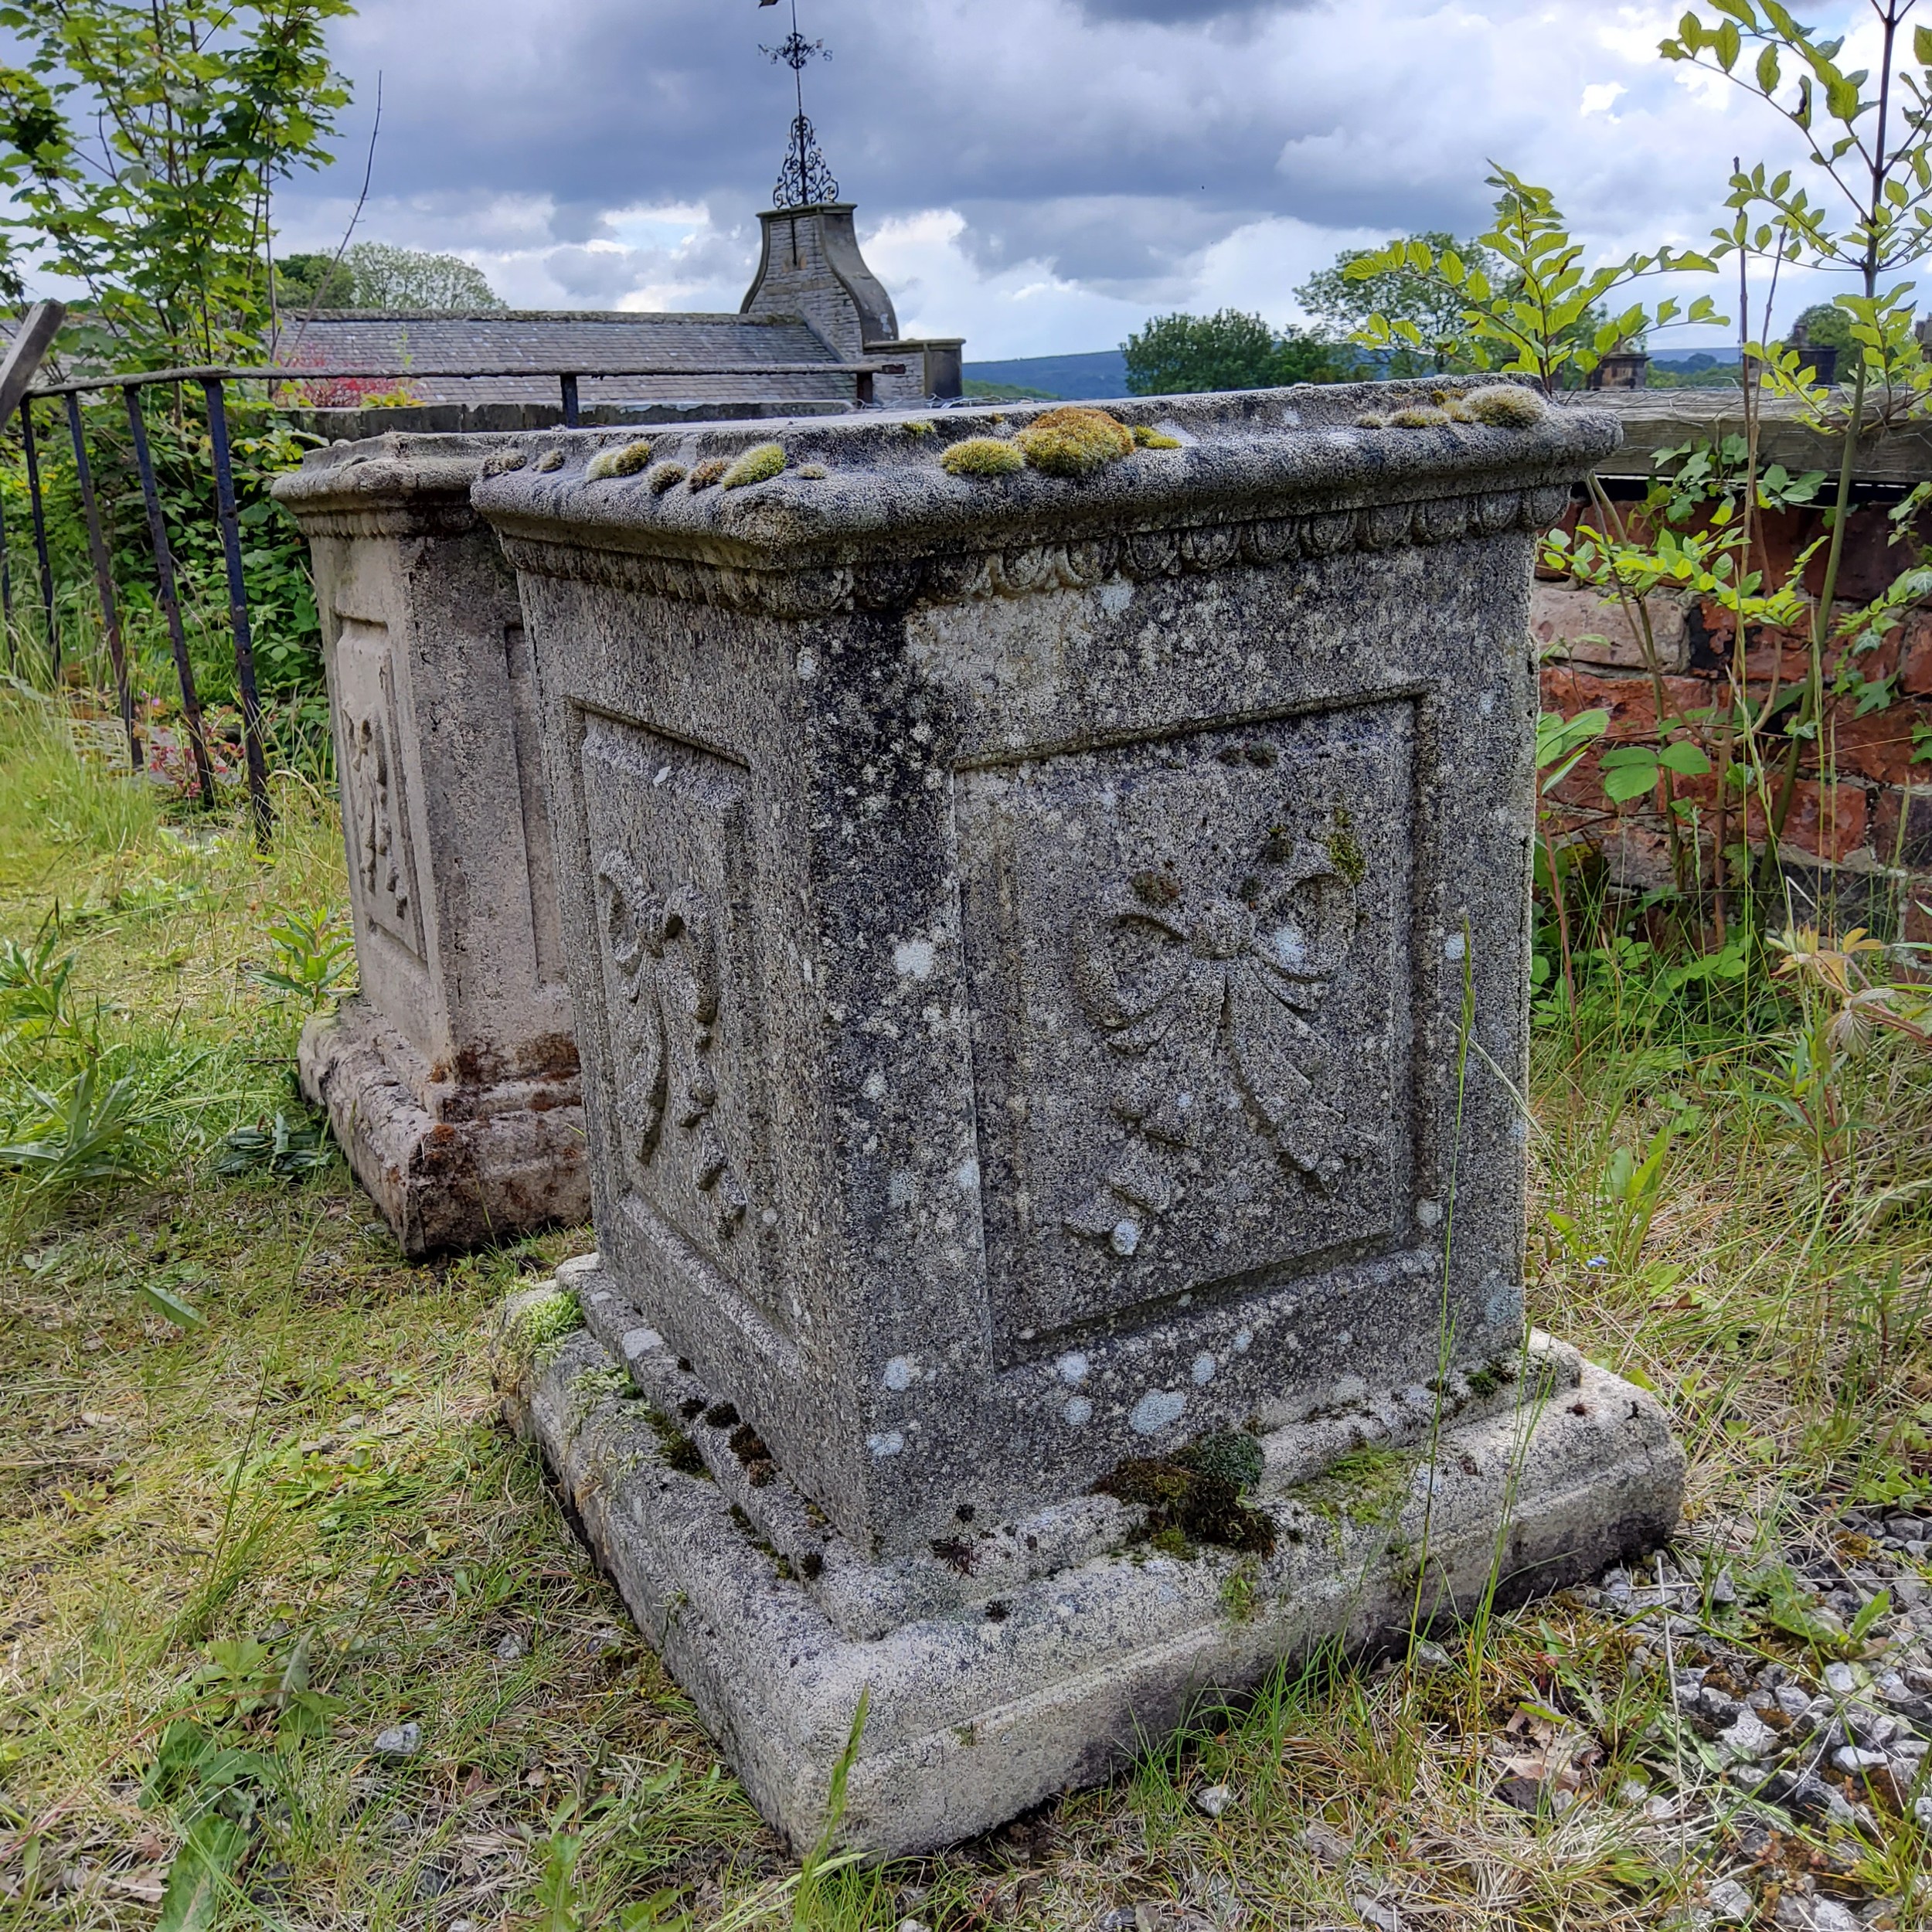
x: 1050, y: 949
x: 451, y: 1083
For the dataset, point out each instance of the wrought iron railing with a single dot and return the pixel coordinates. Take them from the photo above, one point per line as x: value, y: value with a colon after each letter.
x: 30, y: 343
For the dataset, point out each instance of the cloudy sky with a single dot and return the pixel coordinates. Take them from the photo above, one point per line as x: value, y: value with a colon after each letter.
x: 1039, y: 175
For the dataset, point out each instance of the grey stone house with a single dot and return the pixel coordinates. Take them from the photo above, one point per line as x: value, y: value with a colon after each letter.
x: 814, y: 307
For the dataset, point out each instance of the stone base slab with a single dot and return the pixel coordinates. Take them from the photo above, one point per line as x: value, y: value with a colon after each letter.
x: 1029, y: 1658
x: 491, y: 1163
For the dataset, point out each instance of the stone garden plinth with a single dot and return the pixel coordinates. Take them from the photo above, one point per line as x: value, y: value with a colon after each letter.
x: 451, y: 1082
x: 1048, y: 926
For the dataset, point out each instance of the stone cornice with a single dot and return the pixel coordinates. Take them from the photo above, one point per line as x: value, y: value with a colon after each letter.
x: 394, y: 485
x: 1260, y: 478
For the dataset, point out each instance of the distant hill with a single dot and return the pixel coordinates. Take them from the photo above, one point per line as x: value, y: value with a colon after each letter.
x: 1073, y: 378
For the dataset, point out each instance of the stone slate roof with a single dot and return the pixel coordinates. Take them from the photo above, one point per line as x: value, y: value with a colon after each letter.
x: 586, y: 340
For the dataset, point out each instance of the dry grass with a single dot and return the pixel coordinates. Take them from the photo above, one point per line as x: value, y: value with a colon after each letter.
x: 319, y: 1466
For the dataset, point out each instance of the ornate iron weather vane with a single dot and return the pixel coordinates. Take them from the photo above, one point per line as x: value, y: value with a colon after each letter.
x: 804, y: 181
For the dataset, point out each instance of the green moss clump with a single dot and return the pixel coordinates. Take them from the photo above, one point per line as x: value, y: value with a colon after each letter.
x: 756, y: 466
x: 1196, y: 1501
x: 1372, y: 421
x: 550, y: 460
x: 712, y: 471
x: 626, y: 461
x: 609, y: 1380
x: 1369, y: 1486
x: 918, y: 427
x: 982, y: 455
x: 812, y: 472
x: 542, y: 1324
x: 502, y: 462
x: 1147, y: 439
x: 1074, y: 440
x: 1505, y: 406
x: 665, y: 476
x: 1231, y: 1455
x: 1419, y: 416
x: 1344, y: 849
x: 679, y: 1452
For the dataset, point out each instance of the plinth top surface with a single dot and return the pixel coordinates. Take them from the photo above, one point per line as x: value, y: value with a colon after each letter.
x: 848, y: 485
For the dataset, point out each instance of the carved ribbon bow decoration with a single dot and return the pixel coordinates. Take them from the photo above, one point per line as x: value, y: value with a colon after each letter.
x: 1198, y: 991
x: 665, y: 950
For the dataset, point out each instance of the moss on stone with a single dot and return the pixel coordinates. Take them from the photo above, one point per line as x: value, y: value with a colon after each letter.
x: 501, y: 462
x: 1344, y: 849
x: 626, y: 461
x: 1147, y: 439
x: 1195, y: 1496
x: 1371, y: 421
x: 1505, y: 406
x: 665, y: 476
x: 812, y: 472
x: 1369, y: 1486
x: 1074, y: 440
x: 756, y: 466
x: 917, y: 427
x: 550, y: 460
x: 679, y: 1452
x: 1419, y: 416
x: 712, y: 470
x: 982, y: 455
x: 543, y: 1324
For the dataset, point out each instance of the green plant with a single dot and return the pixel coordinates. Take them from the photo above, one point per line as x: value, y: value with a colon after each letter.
x: 1525, y: 305
x: 286, y: 1151
x: 314, y: 955
x: 90, y: 1132
x: 142, y: 143
x: 33, y: 987
x: 1345, y: 298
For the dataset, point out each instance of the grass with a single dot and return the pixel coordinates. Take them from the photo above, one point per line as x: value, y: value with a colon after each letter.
x: 256, y: 1509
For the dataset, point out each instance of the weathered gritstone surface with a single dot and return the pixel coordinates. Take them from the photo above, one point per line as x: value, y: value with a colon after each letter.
x: 983, y: 1703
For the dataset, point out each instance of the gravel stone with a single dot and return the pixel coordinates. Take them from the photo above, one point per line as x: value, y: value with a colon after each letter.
x: 1214, y: 1799
x: 400, y: 1740
x: 1729, y: 1904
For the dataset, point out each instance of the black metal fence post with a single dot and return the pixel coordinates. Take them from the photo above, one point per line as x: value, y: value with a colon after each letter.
x: 104, y: 582
x: 40, y: 536
x: 170, y: 598
x: 570, y: 387
x: 238, y: 610
x: 6, y: 599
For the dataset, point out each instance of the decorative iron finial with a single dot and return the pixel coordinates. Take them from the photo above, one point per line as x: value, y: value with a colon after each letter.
x: 804, y: 181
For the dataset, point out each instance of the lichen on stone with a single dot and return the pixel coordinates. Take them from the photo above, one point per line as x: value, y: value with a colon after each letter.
x: 501, y: 462
x: 756, y: 466
x: 624, y: 461
x: 712, y: 470
x: 1148, y: 439
x: 985, y: 456
x: 1074, y: 440
x: 1419, y: 416
x: 549, y: 460
x: 1505, y: 406
x: 665, y: 476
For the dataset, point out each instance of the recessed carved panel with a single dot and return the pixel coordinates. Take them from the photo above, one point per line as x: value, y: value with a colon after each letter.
x: 1187, y: 957
x: 683, y: 1090
x: 375, y: 805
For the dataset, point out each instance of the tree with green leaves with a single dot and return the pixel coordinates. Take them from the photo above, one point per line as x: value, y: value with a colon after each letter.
x: 142, y: 142
x: 1527, y: 306
x: 1191, y: 355
x: 385, y: 276
x: 1343, y: 302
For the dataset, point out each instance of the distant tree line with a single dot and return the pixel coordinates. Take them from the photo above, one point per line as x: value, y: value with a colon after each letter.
x: 376, y: 275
